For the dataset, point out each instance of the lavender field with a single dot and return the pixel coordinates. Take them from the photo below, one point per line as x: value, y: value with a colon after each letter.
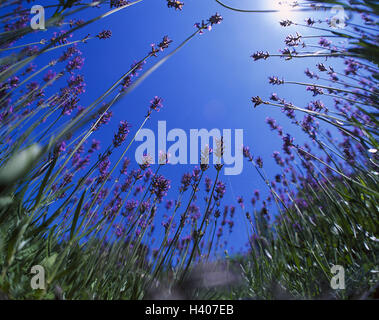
x: 213, y: 149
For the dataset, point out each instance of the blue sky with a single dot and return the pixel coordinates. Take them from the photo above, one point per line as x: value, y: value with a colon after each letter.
x: 207, y: 84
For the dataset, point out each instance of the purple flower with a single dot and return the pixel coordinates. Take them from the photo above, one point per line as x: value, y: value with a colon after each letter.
x: 288, y: 109
x: 317, y: 106
x: 118, y: 3
x: 94, y: 146
x: 260, y: 55
x: 169, y: 204
x: 69, y: 53
x: 310, y: 21
x: 278, y: 158
x: 240, y: 202
x: 13, y: 82
x: 185, y: 182
x: 130, y: 206
x: 104, y: 119
x: 287, y: 143
x: 30, y: 68
x: 20, y: 23
x: 103, y: 168
x: 106, y: 34
x: 301, y: 203
x: 145, y: 205
x: 30, y: 50
x: 257, y: 101
x: 220, y: 190
x: 136, y: 66
x: 67, y: 178
x: 246, y: 151
x: 164, y: 43
x: 50, y: 74
x: 155, y: 105
x: 125, y: 165
x: 196, y: 174
x: 148, y: 173
x: 138, y: 190
x: 76, y: 22
x: 61, y: 37
x: 61, y: 147
x: 82, y: 163
x: 75, y: 63
x: 119, y: 230
x: 215, y: 19
x: 208, y: 184
x: 310, y: 74
x: 159, y: 186
x: 178, y: 5
x: 194, y: 212
x: 316, y: 91
x: 285, y: 23
x: 77, y: 84
x: 287, y: 51
x: 272, y: 123
x: 202, y: 26
x: 275, y: 80
x: 352, y: 67
x: 321, y: 67
x: 293, y: 40
x: 102, y: 195
x: 136, y: 174
x: 259, y: 162
x: 232, y: 211
x: 324, y: 42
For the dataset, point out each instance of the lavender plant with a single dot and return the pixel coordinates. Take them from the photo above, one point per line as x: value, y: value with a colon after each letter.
x: 81, y: 209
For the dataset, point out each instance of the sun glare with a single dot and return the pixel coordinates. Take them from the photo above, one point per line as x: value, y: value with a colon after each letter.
x: 284, y: 8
